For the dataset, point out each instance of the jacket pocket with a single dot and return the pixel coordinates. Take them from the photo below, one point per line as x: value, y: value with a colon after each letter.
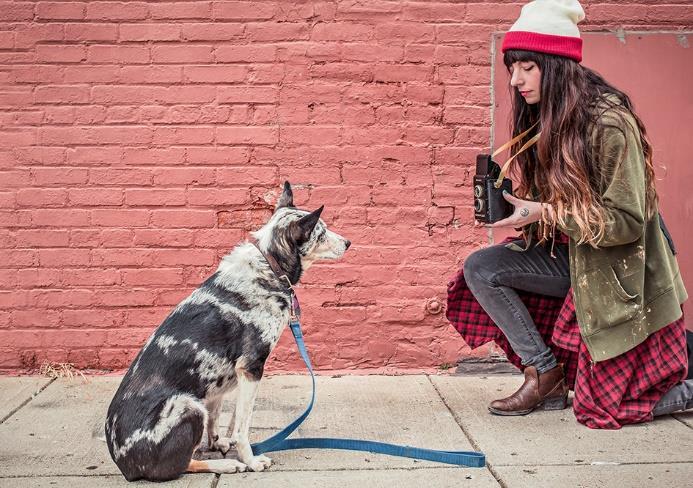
x: 604, y: 301
x: 612, y: 277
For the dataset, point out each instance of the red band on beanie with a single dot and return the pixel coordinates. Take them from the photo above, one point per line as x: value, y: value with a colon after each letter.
x: 570, y: 47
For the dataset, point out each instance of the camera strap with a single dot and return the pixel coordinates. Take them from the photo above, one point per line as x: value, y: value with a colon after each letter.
x: 509, y: 144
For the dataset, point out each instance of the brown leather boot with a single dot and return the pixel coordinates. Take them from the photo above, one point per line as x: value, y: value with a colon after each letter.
x: 547, y: 390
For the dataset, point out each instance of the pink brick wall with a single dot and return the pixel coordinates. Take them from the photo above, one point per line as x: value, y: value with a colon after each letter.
x: 139, y: 141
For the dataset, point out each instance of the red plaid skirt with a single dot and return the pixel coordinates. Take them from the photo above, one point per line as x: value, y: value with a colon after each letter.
x: 608, y: 394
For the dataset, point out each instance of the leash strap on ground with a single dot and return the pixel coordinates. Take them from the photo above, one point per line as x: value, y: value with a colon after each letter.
x: 279, y: 441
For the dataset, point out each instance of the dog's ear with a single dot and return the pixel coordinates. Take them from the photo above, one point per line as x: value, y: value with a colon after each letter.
x: 286, y: 199
x: 307, y: 223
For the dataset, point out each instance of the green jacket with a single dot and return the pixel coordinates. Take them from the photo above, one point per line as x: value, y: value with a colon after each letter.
x: 630, y: 285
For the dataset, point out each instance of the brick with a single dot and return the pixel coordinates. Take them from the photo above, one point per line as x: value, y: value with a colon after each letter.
x: 184, y: 176
x: 138, y: 156
x: 462, y: 33
x: 91, y: 74
x: 153, y: 276
x: 310, y: 135
x: 12, y: 258
x: 130, y: 337
x: 120, y: 218
x: 434, y: 12
x: 42, y: 238
x: 181, y: 53
x: 246, y: 176
x: 147, y: 197
x: 91, y: 32
x: 371, y: 52
x: 149, y: 32
x: 59, y: 258
x: 468, y: 115
x: 164, y: 237
x: 494, y: 13
x: 114, y: 54
x: 213, y: 197
x: 36, y: 318
x: 247, y: 135
x: 63, y: 218
x: 62, y: 298
x: 115, y: 297
x: 60, y: 54
x: 342, y: 31
x: 248, y: 94
x: 217, y: 155
x: 121, y: 176
x: 183, y: 218
x: 255, y: 53
x: 16, y: 11
x: 21, y: 97
x: 151, y: 74
x: 94, y: 156
x: 243, y: 10
x: 226, y: 31
x: 60, y: 10
x: 89, y: 277
x: 12, y: 179
x: 219, y: 238
x: 273, y: 31
x: 404, y: 32
x: 122, y: 257
x: 95, y: 196
x: 39, y: 277
x: 117, y: 237
x: 402, y: 73
x: 181, y: 10
x: 185, y: 257
x: 92, y: 317
x: 112, y: 11
x: 61, y: 94
x: 166, y: 136
x: 215, y: 74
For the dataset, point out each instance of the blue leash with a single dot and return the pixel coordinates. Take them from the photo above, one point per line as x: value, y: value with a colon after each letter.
x: 279, y: 441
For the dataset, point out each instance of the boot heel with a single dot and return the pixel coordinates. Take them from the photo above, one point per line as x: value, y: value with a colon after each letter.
x: 556, y: 403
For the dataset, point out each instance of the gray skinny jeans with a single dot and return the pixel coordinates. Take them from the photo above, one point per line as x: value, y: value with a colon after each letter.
x: 493, y: 275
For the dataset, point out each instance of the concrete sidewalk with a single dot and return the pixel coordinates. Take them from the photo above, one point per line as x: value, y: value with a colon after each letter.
x: 51, y: 434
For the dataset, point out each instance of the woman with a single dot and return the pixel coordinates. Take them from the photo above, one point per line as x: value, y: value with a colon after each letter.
x: 592, y: 240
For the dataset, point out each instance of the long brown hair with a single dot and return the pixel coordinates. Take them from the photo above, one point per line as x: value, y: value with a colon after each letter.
x: 562, y: 169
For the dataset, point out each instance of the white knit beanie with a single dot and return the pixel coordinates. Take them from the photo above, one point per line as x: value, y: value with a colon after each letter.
x: 548, y: 26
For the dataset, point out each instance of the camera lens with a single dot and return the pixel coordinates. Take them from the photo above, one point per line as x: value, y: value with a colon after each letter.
x: 478, y: 205
x: 478, y: 191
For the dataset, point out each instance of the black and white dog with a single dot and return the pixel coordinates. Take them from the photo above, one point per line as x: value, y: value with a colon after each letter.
x: 216, y: 339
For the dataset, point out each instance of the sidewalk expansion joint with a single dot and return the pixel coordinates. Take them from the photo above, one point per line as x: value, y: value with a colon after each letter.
x: 33, y: 395
x: 464, y: 430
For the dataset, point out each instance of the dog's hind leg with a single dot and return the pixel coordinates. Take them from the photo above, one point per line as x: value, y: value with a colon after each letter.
x: 247, y: 391
x: 219, y: 466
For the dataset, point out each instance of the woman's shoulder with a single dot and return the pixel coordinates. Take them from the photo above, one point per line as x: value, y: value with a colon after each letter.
x: 611, y: 114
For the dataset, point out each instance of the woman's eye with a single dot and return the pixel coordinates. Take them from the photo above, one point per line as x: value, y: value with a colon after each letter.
x: 528, y: 68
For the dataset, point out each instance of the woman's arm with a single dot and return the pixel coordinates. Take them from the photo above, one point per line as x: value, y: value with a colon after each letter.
x: 623, y: 161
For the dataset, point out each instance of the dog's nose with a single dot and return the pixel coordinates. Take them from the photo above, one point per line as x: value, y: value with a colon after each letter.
x: 348, y: 243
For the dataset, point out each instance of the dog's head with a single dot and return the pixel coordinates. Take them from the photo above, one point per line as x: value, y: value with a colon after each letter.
x: 297, y: 238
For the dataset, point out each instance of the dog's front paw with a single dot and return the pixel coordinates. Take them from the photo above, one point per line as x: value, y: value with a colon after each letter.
x: 221, y: 444
x: 259, y: 463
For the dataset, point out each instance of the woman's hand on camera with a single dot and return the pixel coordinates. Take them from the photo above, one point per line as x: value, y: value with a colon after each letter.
x: 526, y: 212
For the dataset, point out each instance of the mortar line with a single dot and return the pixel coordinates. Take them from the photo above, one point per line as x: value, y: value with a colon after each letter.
x: 33, y: 395
x: 468, y: 435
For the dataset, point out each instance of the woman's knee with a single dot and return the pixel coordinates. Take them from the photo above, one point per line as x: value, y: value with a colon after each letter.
x: 480, y: 265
